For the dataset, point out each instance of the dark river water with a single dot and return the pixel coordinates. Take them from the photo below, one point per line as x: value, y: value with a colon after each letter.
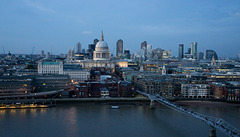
x: 99, y: 120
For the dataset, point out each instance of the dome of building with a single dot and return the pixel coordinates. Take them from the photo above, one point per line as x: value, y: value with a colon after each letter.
x: 101, y: 45
x: 101, y: 50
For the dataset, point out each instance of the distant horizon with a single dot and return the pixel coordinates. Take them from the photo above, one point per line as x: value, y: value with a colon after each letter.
x: 58, y: 26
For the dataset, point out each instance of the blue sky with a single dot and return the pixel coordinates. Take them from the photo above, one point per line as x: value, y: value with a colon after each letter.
x: 60, y: 24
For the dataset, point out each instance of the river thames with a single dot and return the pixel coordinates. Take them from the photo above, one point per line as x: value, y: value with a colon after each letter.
x: 99, y: 120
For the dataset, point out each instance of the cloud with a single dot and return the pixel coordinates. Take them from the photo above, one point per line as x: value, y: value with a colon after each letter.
x: 86, y: 32
x: 38, y: 6
x: 166, y: 29
x: 236, y: 14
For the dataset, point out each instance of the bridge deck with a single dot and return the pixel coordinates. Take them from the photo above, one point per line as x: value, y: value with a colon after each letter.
x: 213, y: 122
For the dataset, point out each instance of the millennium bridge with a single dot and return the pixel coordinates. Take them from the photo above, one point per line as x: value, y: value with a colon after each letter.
x: 213, y: 122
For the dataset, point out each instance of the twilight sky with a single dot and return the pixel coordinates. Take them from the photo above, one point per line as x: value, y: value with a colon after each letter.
x: 60, y: 24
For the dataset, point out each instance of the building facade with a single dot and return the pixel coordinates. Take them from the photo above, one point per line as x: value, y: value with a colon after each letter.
x: 101, y: 50
x: 210, y: 54
x: 50, y: 67
x: 119, y: 47
x: 195, y: 90
x: 180, y: 51
x: 76, y: 73
x: 194, y: 50
x: 79, y: 47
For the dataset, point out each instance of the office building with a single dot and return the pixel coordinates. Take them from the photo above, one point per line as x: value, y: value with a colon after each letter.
x: 194, y: 50
x: 79, y: 47
x: 119, y: 47
x: 127, y: 53
x: 149, y: 52
x: 144, y: 50
x: 200, y: 55
x: 210, y: 54
x: 48, y: 56
x: 50, y: 67
x: 180, y: 51
x: 95, y: 41
x: 167, y: 54
x: 42, y: 53
x: 76, y: 72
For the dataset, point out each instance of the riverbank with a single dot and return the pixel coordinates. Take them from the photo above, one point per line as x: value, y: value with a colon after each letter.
x: 28, y: 103
x: 23, y: 106
x: 197, y: 103
x: 100, y: 100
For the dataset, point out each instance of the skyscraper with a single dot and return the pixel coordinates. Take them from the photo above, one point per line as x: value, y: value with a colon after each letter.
x: 144, y: 45
x: 127, y: 53
x: 194, y: 50
x: 210, y: 54
x: 200, y: 55
x: 42, y: 53
x: 144, y: 50
x: 95, y: 41
x: 180, y: 51
x: 157, y: 54
x: 48, y: 56
x: 149, y: 52
x: 79, y: 47
x: 119, y: 47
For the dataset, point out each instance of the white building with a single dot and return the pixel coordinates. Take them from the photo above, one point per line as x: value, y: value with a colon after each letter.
x: 195, y: 90
x: 76, y: 73
x: 50, y: 67
x: 101, y: 50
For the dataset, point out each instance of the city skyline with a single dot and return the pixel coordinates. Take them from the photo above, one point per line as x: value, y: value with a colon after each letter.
x: 58, y: 27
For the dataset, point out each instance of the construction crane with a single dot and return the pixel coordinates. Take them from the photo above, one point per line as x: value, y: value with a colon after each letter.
x: 4, y: 50
x: 32, y: 53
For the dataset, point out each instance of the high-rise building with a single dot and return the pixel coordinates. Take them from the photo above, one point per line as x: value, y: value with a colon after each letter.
x: 127, y: 53
x: 200, y: 55
x: 48, y: 56
x: 91, y: 48
x: 144, y: 45
x: 95, y: 41
x: 167, y: 54
x: 194, y: 50
x: 180, y: 51
x: 119, y: 47
x: 83, y: 51
x: 79, y: 47
x: 157, y: 54
x: 42, y: 53
x: 144, y: 50
x: 188, y: 51
x: 149, y: 52
x: 210, y: 54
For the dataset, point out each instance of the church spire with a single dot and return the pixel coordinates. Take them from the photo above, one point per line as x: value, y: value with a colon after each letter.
x: 102, y: 39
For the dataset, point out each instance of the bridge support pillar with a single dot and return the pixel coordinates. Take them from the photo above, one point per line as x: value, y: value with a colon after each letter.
x: 152, y: 104
x: 212, y: 132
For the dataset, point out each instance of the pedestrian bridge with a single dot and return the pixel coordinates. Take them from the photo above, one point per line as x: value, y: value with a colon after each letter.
x: 213, y: 122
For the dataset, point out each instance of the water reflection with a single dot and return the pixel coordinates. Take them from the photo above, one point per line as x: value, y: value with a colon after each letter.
x: 100, y: 120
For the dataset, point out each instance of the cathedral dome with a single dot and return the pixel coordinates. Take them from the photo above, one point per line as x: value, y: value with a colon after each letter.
x: 101, y: 45
x: 101, y: 50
